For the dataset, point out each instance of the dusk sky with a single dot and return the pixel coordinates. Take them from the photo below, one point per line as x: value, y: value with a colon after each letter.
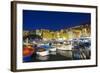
x: 53, y: 20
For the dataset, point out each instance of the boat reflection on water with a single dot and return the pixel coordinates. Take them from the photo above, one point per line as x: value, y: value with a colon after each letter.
x: 67, y: 54
x: 42, y: 58
x: 53, y: 53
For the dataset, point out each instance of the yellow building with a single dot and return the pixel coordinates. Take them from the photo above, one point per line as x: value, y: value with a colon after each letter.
x: 50, y: 35
x: 65, y: 34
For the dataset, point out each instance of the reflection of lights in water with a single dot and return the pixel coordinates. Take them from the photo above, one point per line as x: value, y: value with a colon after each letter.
x: 42, y: 57
x: 53, y: 53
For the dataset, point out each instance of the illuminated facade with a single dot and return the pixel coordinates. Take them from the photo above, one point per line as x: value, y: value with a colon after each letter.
x: 63, y: 34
